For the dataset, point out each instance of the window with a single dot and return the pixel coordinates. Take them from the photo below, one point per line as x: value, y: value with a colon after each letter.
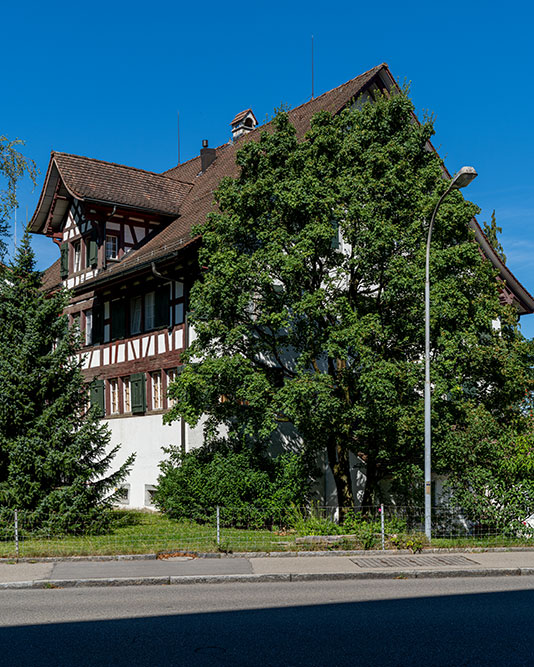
x: 127, y: 395
x: 114, y: 396
x: 135, y: 314
x: 157, y: 397
x: 150, y: 489
x: 112, y: 246
x: 172, y: 374
x: 77, y: 249
x: 177, y: 302
x: 88, y: 327
x: 149, y: 311
x: 123, y: 495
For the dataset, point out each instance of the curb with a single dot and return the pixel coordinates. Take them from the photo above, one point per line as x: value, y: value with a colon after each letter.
x: 263, y: 554
x: 263, y: 578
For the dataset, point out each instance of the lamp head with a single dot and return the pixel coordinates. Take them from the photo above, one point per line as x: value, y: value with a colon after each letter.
x: 464, y: 177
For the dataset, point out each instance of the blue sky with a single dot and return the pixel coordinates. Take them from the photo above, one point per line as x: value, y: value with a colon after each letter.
x: 107, y: 79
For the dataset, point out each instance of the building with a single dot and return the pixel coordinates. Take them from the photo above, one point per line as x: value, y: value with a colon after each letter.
x: 128, y: 254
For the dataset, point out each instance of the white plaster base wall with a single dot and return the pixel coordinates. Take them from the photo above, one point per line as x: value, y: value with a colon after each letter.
x: 146, y: 435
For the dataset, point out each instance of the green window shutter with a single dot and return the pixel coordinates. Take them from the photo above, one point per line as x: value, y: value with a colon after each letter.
x: 92, y: 253
x: 335, y: 238
x: 118, y: 319
x: 138, y: 392
x: 162, y: 307
x: 64, y: 261
x: 96, y: 396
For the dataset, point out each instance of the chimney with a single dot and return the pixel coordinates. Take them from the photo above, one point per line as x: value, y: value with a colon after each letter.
x: 243, y: 123
x: 207, y: 155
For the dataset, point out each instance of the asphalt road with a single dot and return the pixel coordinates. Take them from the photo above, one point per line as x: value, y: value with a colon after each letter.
x: 485, y: 621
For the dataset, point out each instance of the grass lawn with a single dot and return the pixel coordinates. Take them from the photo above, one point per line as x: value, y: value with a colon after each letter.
x: 139, y: 532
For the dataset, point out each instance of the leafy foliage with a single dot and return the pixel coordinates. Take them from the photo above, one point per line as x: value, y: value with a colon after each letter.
x: 54, y: 454
x: 492, y: 478
x: 492, y: 231
x: 310, y: 310
x: 251, y: 490
x: 13, y: 167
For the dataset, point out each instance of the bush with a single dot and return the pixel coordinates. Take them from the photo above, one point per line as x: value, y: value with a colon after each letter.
x: 250, y: 490
x: 365, y: 529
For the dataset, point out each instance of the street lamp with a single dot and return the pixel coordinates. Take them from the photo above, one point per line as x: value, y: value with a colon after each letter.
x: 462, y: 178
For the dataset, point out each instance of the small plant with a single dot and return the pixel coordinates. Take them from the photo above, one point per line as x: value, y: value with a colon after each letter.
x: 413, y: 543
x: 223, y: 547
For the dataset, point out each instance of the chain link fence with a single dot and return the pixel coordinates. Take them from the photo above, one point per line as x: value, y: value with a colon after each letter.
x: 249, y: 528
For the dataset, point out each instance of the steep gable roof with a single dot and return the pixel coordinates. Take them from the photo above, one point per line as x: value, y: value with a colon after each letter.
x: 92, y: 179
x: 199, y: 200
x: 86, y: 178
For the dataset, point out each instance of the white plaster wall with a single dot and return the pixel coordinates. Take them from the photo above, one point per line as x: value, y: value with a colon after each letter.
x: 194, y: 437
x: 146, y: 435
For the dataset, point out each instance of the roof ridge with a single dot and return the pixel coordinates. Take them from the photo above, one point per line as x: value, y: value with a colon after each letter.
x: 258, y: 128
x: 327, y: 92
x: 124, y: 166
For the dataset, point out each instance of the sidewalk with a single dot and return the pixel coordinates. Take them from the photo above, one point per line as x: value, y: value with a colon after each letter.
x: 290, y: 567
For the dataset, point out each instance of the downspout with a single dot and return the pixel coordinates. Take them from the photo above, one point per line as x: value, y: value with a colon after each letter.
x: 156, y: 273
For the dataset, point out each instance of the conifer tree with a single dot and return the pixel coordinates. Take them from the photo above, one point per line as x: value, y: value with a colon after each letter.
x: 54, y: 453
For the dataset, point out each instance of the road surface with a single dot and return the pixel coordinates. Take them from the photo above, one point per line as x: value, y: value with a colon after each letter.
x: 486, y: 621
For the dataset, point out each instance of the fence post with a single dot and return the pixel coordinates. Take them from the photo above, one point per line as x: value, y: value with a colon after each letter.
x: 218, y: 526
x: 382, y: 526
x: 17, y: 534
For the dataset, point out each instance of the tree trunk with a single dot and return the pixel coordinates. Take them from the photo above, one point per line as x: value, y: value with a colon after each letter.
x: 338, y: 459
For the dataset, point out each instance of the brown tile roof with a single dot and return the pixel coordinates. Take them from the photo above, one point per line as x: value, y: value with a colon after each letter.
x: 186, y: 171
x: 51, y: 277
x: 87, y: 178
x: 199, y: 200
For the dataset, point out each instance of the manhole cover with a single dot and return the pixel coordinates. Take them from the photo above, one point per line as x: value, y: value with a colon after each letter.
x: 412, y: 561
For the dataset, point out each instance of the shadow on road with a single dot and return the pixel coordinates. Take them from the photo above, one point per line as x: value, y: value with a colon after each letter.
x: 479, y: 629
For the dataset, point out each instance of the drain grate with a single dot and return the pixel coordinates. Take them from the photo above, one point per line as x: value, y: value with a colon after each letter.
x: 411, y: 561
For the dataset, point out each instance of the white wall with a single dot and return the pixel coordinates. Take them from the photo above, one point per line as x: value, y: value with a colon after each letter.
x: 146, y: 435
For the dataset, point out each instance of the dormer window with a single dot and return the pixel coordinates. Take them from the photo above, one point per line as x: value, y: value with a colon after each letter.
x: 112, y: 246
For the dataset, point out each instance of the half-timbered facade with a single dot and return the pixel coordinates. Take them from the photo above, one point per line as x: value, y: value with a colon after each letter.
x: 128, y: 256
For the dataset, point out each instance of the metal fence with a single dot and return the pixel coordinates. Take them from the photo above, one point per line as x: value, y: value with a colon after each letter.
x: 248, y: 528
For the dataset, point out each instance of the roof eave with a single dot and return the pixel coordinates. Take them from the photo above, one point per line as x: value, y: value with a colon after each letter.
x: 139, y: 266
x: 525, y: 300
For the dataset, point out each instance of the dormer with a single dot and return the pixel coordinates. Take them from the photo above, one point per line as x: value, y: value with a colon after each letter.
x: 99, y: 211
x: 243, y: 123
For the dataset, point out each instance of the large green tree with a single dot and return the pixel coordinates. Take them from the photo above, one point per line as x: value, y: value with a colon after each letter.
x: 54, y: 454
x: 310, y: 305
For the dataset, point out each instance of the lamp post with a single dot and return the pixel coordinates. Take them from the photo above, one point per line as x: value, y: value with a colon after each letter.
x: 462, y: 178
